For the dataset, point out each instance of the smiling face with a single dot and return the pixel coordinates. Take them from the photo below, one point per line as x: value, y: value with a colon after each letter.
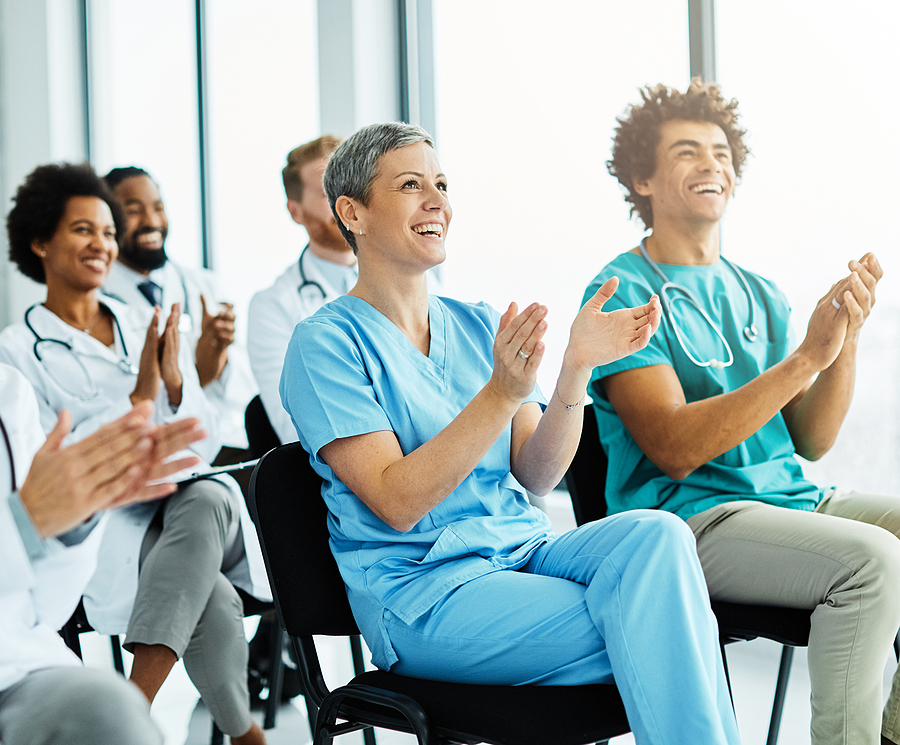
x: 408, y: 212
x: 694, y: 177
x: 83, y: 248
x: 143, y: 244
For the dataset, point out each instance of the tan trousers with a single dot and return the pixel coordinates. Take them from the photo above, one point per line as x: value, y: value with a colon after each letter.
x: 837, y: 563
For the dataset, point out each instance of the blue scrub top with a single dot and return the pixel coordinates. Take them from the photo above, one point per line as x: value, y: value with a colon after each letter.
x: 763, y: 467
x: 350, y: 371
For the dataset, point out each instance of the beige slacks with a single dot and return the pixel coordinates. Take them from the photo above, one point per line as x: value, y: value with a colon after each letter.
x: 843, y: 563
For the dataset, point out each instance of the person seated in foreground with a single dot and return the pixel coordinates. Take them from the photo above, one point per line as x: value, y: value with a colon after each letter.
x: 167, y: 569
x: 51, y: 498
x: 707, y: 420
x: 422, y: 415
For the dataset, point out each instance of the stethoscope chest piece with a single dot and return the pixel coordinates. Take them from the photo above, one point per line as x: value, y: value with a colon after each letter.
x: 751, y: 333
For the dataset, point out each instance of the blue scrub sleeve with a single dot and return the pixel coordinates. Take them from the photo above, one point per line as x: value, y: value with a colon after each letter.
x: 325, y: 380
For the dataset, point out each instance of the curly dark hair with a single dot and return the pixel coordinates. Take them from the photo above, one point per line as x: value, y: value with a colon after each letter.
x: 638, y: 133
x: 40, y: 204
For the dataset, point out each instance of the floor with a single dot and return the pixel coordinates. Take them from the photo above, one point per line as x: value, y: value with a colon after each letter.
x: 753, y: 666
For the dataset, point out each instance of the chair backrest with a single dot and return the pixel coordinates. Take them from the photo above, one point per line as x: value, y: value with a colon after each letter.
x: 290, y: 515
x: 261, y: 437
x: 586, y: 477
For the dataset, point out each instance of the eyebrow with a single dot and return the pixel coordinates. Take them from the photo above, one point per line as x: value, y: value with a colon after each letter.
x: 416, y: 173
x: 694, y: 143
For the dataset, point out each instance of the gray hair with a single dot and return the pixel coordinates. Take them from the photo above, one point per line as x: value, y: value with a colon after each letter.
x: 354, y: 165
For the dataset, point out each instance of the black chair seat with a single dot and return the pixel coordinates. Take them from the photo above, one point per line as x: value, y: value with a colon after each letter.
x: 469, y: 713
x: 788, y: 626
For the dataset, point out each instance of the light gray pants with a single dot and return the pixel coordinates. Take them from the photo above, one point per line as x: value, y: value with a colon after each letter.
x: 75, y: 706
x: 186, y: 602
x: 837, y: 563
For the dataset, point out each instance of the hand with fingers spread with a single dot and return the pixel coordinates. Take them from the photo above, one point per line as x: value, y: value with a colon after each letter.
x: 114, y: 466
x: 149, y: 376
x: 518, y: 350
x: 168, y: 357
x: 217, y: 334
x: 598, y: 337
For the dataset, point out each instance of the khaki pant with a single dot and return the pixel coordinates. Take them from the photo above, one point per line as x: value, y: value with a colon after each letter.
x: 843, y: 563
x: 185, y: 602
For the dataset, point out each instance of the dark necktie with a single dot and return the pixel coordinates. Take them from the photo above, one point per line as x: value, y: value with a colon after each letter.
x: 151, y: 291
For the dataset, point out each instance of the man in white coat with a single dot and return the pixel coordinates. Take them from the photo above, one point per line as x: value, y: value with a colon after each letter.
x: 144, y: 275
x: 51, y: 499
x: 325, y: 270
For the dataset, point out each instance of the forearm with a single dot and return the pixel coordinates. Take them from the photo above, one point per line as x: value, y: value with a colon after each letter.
x: 211, y: 360
x: 679, y: 437
x: 815, y: 419
x: 403, y: 490
x: 541, y: 461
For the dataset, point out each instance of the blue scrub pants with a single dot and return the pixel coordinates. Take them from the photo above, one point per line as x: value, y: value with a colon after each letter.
x: 623, y: 599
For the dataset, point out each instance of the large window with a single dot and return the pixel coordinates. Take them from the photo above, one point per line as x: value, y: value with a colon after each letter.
x: 144, y: 105
x: 262, y: 101
x: 527, y: 102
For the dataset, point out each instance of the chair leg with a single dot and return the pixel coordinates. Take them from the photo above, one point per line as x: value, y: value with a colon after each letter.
x: 276, y: 675
x: 359, y: 667
x: 116, y: 646
x: 218, y: 737
x: 727, y: 675
x: 784, y: 671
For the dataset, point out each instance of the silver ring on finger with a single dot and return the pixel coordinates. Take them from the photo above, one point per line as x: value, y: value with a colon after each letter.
x: 523, y: 355
x: 836, y: 304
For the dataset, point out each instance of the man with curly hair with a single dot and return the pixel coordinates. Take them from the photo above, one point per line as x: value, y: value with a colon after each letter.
x: 707, y: 421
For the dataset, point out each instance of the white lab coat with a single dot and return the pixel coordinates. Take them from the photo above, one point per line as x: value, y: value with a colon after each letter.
x: 231, y: 393
x: 273, y: 314
x: 110, y: 595
x: 36, y: 597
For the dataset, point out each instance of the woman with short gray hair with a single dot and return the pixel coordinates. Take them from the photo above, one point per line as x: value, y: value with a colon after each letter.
x: 423, y: 417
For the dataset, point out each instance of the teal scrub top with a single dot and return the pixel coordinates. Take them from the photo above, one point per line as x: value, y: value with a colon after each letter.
x: 350, y: 371
x: 764, y: 467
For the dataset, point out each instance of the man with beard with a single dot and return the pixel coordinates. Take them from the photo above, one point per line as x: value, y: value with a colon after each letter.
x: 326, y: 269
x: 144, y: 274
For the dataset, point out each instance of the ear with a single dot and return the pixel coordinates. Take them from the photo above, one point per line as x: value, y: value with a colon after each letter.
x: 641, y: 186
x: 348, y: 212
x: 296, y: 210
x: 38, y: 247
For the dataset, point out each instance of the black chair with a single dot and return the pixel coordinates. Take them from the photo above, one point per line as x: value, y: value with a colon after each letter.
x: 77, y: 625
x: 311, y: 599
x: 586, y: 482
x: 261, y: 437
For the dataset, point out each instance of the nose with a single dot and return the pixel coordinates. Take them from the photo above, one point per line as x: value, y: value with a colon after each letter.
x: 435, y: 199
x: 710, y: 162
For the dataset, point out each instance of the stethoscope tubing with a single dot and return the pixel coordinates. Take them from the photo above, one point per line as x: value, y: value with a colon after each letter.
x: 751, y: 333
x: 123, y: 364
x: 304, y: 282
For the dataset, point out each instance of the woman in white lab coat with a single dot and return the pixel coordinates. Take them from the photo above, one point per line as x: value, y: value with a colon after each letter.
x: 166, y: 569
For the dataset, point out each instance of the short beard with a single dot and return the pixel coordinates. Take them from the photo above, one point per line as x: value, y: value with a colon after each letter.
x: 326, y: 234
x: 143, y: 259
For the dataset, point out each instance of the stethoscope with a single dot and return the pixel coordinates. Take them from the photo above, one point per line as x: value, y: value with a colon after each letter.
x: 751, y: 333
x: 122, y: 363
x: 9, y: 450
x: 304, y: 281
